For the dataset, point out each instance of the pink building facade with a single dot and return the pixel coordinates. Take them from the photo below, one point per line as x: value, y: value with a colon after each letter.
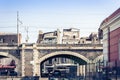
x: 114, y: 53
x: 110, y: 32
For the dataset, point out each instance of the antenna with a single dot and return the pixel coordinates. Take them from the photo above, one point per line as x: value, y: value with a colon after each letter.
x: 27, y: 37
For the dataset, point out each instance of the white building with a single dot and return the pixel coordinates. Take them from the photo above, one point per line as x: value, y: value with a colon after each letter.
x: 49, y: 37
x: 92, y: 39
x: 71, y: 36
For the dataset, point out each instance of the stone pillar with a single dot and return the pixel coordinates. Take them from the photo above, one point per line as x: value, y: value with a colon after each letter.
x: 85, y: 70
x: 83, y: 67
x: 23, y: 61
x: 35, y: 60
x: 28, y: 58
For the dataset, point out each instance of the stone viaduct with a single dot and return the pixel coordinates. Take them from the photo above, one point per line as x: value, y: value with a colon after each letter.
x: 29, y: 57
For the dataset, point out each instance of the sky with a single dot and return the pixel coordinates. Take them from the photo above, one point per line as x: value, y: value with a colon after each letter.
x: 50, y: 15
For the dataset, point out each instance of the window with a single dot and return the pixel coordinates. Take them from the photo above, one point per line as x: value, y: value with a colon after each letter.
x: 74, y: 36
x: 83, y: 42
x: 1, y: 40
x: 12, y: 41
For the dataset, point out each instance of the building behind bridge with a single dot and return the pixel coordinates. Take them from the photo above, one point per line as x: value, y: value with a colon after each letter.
x: 10, y: 38
x: 92, y: 39
x: 49, y: 37
x: 70, y: 36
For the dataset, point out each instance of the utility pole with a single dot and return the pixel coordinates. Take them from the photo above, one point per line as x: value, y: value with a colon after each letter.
x: 17, y: 28
x: 18, y: 35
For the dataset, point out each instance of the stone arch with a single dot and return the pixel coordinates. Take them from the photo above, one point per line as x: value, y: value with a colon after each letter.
x: 5, y: 54
x: 40, y: 60
x: 62, y: 53
x: 8, y: 58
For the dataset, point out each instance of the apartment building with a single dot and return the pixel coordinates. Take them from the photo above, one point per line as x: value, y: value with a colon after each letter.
x: 91, y: 39
x: 71, y: 36
x: 49, y: 37
x: 10, y: 38
x: 110, y: 32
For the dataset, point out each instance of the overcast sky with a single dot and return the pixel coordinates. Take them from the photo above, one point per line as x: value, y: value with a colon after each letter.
x: 50, y: 15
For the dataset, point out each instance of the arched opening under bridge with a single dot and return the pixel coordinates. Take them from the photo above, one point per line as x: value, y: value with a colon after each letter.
x: 8, y: 64
x: 51, y: 62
